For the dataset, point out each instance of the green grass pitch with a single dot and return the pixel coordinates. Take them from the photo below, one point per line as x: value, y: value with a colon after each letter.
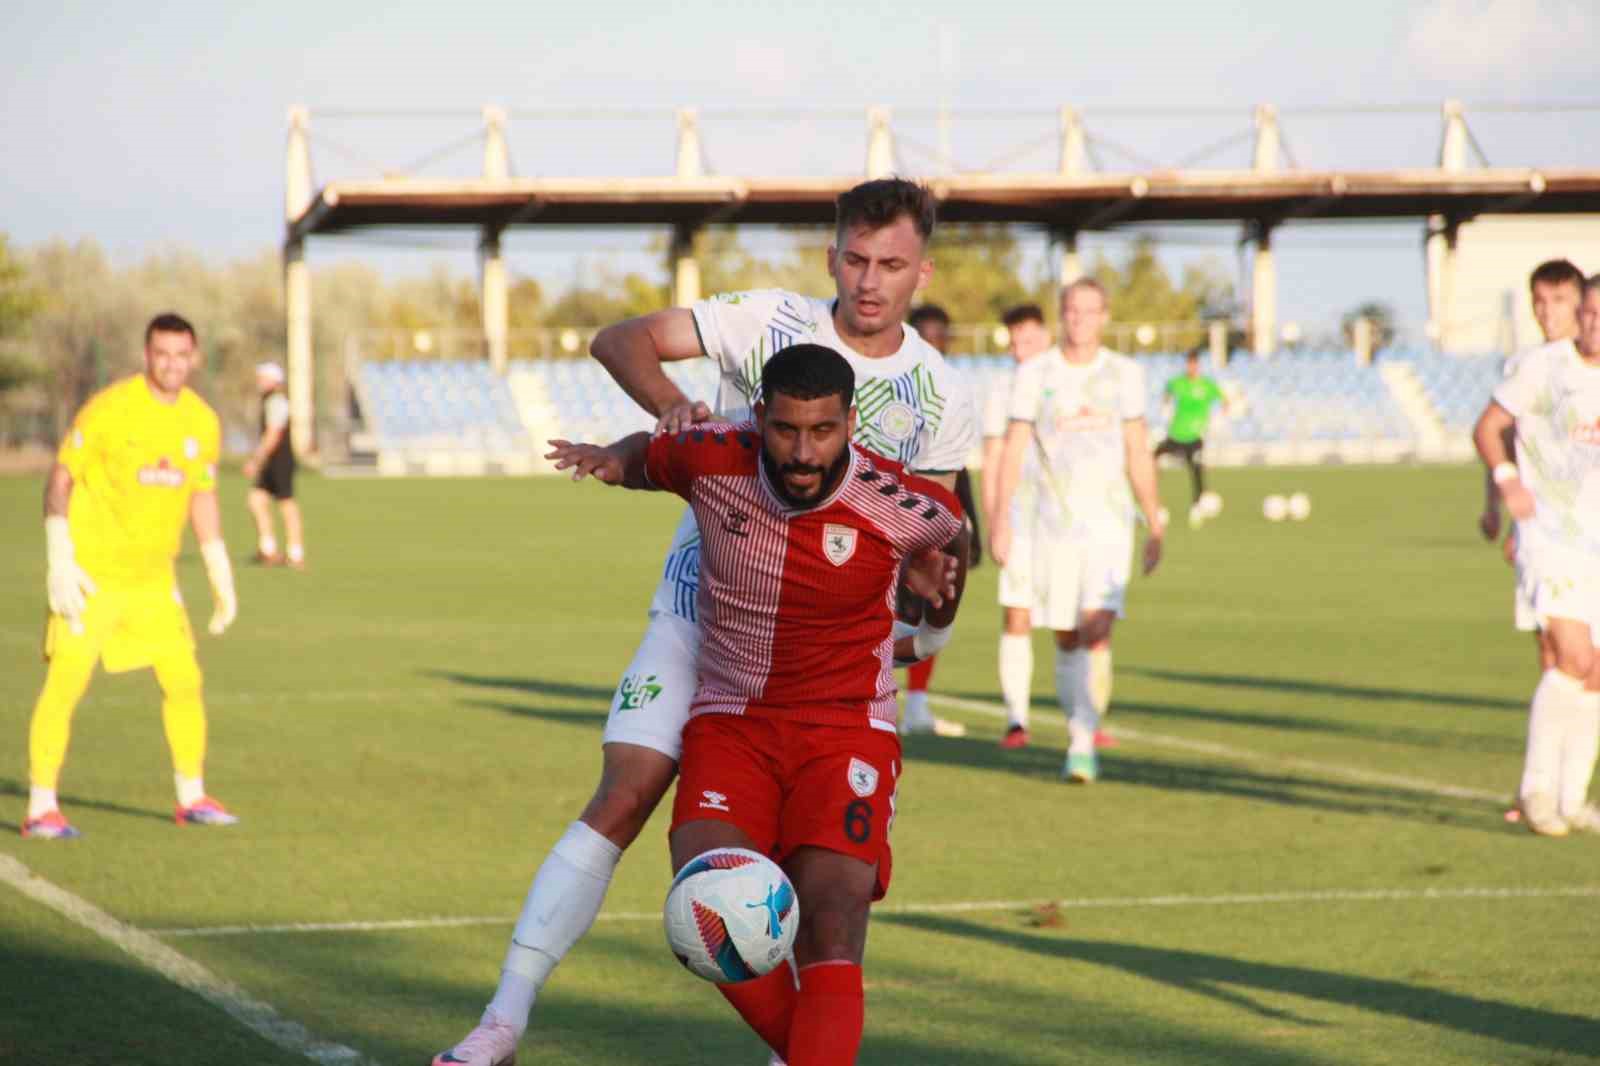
x: 1329, y: 708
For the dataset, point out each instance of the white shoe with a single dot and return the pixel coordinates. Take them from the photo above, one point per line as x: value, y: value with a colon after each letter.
x: 1587, y: 819
x: 920, y: 720
x: 776, y: 1061
x: 492, y: 1043
x: 1540, y: 815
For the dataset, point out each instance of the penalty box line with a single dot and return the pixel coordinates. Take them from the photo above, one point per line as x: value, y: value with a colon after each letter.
x: 255, y: 1015
x: 1238, y: 899
x: 1238, y: 754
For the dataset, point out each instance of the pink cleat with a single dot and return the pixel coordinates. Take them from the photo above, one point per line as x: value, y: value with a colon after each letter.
x: 492, y: 1043
x: 51, y: 825
x: 204, y: 811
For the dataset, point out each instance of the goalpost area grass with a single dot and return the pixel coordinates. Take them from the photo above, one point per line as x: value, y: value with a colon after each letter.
x: 1322, y: 727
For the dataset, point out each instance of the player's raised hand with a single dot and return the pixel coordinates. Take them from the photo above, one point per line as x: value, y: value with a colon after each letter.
x: 680, y: 416
x: 586, y: 460
x: 931, y: 574
x: 1152, y: 553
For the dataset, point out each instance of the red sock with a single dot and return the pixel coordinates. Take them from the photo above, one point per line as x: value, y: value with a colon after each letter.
x: 919, y: 674
x: 829, y: 1017
x: 766, y: 1004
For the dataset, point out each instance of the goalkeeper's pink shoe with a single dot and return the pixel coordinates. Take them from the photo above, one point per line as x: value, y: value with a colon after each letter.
x: 204, y: 811
x: 51, y: 825
x: 492, y: 1043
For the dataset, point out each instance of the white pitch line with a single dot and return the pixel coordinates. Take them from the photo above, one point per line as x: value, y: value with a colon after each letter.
x: 1333, y: 895
x: 1237, y: 754
x: 181, y: 970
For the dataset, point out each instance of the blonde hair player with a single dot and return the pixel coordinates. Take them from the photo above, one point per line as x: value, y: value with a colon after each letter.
x: 1082, y: 411
x: 141, y: 458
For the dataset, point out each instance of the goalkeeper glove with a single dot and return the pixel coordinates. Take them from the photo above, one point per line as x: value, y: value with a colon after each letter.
x: 66, y: 584
x: 220, y: 573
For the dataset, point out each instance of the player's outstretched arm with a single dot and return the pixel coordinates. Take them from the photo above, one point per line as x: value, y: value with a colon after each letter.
x: 632, y: 352
x: 621, y: 463
x: 1142, y: 479
x: 206, y: 517
x: 1490, y: 437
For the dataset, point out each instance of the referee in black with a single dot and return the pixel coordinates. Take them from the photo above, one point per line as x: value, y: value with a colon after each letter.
x: 272, y: 466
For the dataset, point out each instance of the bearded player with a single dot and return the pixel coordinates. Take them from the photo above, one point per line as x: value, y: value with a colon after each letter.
x: 910, y: 408
x: 791, y: 747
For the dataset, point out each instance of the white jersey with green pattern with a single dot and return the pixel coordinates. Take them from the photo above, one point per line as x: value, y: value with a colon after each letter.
x: 910, y: 406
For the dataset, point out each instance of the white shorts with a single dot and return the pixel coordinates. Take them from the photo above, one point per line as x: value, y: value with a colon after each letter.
x: 651, y: 704
x: 1016, y: 577
x: 1071, y: 577
x: 1556, y: 586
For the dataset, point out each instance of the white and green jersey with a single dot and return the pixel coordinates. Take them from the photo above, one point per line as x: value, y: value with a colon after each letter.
x: 1555, y: 397
x: 910, y: 406
x: 1077, y: 413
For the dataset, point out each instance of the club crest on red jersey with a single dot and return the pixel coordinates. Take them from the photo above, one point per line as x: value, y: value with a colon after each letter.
x: 838, y: 543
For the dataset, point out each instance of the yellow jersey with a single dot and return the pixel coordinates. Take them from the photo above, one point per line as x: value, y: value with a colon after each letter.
x: 135, y: 462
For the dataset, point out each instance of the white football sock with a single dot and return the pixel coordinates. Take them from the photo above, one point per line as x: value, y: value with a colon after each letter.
x: 1555, y: 703
x: 267, y: 545
x: 917, y: 707
x: 1016, y: 676
x: 561, y: 905
x: 297, y: 553
x: 191, y: 790
x: 1578, y: 754
x: 1100, y: 679
x: 1077, y: 702
x: 41, y: 801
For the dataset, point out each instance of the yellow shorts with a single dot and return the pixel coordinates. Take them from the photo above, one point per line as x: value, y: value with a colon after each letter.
x: 128, y: 627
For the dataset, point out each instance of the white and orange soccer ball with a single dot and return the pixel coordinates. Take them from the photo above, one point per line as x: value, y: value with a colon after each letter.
x: 731, y: 915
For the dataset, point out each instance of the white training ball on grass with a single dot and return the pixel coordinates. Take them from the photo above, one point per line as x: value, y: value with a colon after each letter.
x: 1210, y: 504
x: 1299, y: 507
x: 1275, y: 508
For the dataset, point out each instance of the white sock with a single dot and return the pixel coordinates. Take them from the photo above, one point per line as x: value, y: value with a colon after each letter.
x: 1016, y: 676
x: 1100, y: 680
x: 297, y: 553
x: 1555, y: 704
x: 41, y: 801
x: 1579, y: 753
x: 191, y: 790
x: 562, y: 904
x: 917, y: 707
x: 1077, y: 702
x: 268, y: 545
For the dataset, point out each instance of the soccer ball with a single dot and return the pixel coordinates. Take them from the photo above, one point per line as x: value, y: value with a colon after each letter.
x: 1210, y: 504
x: 1299, y: 507
x: 1275, y: 508
x: 731, y: 915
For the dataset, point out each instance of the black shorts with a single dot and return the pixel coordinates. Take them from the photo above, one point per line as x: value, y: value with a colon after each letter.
x: 277, y: 476
x: 1187, y: 449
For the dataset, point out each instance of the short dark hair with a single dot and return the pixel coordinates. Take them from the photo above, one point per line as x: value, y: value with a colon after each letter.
x: 876, y: 204
x: 1022, y: 313
x: 928, y: 313
x: 170, y: 322
x: 1193, y: 354
x: 1557, y: 272
x: 808, y: 372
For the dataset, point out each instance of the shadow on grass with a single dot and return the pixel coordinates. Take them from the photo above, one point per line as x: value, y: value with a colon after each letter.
x: 586, y: 719
x: 1220, y: 977
x: 529, y: 686
x: 1432, y: 739
x: 10, y: 786
x: 1301, y: 790
x: 1324, y: 688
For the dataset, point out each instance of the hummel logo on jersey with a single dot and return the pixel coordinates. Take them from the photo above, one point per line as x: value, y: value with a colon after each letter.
x: 863, y: 777
x: 735, y: 521
x: 714, y: 801
x: 838, y: 543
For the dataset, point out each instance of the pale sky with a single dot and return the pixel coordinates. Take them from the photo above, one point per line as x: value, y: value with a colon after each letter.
x: 144, y: 125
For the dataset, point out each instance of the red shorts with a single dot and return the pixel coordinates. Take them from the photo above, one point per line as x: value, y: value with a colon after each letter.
x: 789, y: 785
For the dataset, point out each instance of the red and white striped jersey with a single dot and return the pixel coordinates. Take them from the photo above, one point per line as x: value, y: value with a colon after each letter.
x: 797, y: 606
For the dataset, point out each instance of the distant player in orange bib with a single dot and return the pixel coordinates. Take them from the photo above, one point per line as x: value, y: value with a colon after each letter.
x: 141, y: 458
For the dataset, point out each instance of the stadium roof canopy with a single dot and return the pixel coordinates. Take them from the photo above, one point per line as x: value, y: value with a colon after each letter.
x: 1069, y: 202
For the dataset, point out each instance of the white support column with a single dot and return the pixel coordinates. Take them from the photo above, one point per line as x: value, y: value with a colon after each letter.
x: 1217, y: 338
x: 685, y: 267
x: 1069, y: 265
x: 880, y: 143
x: 494, y: 298
x: 496, y: 157
x: 1439, y: 255
x: 691, y: 161
x: 1264, y: 295
x: 297, y: 195
x: 1269, y: 145
x: 1074, y: 148
x: 297, y: 308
